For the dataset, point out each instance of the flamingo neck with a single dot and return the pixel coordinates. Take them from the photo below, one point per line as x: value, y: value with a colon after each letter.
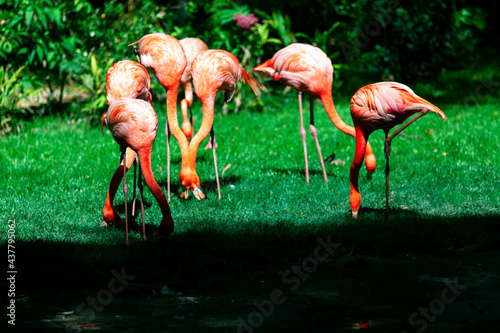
x: 327, y: 101
x: 173, y: 124
x: 206, y: 125
x: 167, y: 223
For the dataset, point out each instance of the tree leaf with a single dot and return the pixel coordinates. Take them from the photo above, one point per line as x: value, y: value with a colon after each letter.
x: 28, y: 16
x: 39, y: 52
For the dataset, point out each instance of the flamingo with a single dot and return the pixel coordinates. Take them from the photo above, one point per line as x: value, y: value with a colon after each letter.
x: 192, y: 47
x: 163, y: 55
x: 124, y: 79
x: 134, y: 124
x: 382, y: 105
x: 307, y: 68
x: 212, y: 71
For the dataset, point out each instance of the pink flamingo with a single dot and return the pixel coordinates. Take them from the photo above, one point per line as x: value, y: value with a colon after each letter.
x: 124, y: 79
x: 382, y: 106
x: 163, y: 55
x: 307, y: 68
x: 212, y: 71
x: 134, y: 124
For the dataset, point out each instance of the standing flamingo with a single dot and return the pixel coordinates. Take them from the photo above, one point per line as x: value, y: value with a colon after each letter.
x: 163, y: 55
x: 192, y: 47
x: 382, y: 106
x: 307, y: 68
x: 124, y: 79
x: 134, y: 124
x: 213, y: 71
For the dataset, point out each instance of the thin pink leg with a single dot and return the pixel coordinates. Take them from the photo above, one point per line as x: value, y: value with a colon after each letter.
x: 133, y: 190
x: 141, y: 189
x: 212, y: 138
x: 387, y: 151
x: 314, y: 133
x: 303, y: 135
x: 125, y: 190
x: 167, y: 134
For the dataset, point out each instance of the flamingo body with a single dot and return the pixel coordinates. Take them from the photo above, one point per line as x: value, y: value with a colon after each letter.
x: 308, y: 69
x: 164, y: 56
x: 382, y: 106
x: 134, y: 124
x: 302, y: 67
x: 124, y: 79
x: 127, y: 79
x: 212, y: 71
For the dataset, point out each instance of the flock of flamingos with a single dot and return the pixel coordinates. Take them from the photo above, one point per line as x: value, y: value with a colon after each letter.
x: 133, y: 121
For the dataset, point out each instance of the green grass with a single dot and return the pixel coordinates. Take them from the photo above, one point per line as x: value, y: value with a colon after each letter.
x: 55, y: 176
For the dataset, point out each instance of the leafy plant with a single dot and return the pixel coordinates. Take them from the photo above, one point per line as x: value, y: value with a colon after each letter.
x: 11, y: 92
x: 95, y: 82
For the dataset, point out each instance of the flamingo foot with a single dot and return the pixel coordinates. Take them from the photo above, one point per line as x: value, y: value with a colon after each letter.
x: 355, y: 214
x: 160, y: 236
x: 198, y: 194
x: 112, y: 219
x: 209, y: 145
x: 185, y: 194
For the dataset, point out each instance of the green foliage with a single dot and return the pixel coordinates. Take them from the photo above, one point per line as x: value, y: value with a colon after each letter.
x: 12, y: 90
x: 366, y: 40
x: 96, y: 86
x: 44, y: 36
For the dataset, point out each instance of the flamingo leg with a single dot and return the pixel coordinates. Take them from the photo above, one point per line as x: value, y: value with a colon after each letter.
x: 212, y: 139
x: 125, y: 190
x: 314, y: 133
x: 387, y: 150
x: 167, y: 134
x: 187, y: 128
x: 303, y: 135
x: 191, y: 119
x: 141, y: 190
x: 134, y: 186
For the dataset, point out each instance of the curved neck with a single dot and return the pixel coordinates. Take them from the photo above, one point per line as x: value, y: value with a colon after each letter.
x: 167, y: 223
x: 206, y: 125
x: 327, y: 101
x: 173, y: 123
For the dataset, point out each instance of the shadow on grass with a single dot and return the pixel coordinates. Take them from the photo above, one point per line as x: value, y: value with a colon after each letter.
x: 374, y: 261
x: 206, y: 248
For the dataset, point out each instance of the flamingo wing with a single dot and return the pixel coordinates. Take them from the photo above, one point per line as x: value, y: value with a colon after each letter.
x: 384, y: 105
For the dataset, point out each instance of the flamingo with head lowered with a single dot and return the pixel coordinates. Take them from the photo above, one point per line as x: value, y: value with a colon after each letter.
x: 382, y: 106
x: 163, y: 55
x: 124, y: 79
x: 307, y: 68
x: 212, y: 71
x: 134, y: 124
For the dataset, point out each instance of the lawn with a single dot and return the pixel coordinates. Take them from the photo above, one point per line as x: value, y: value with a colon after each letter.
x: 230, y: 253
